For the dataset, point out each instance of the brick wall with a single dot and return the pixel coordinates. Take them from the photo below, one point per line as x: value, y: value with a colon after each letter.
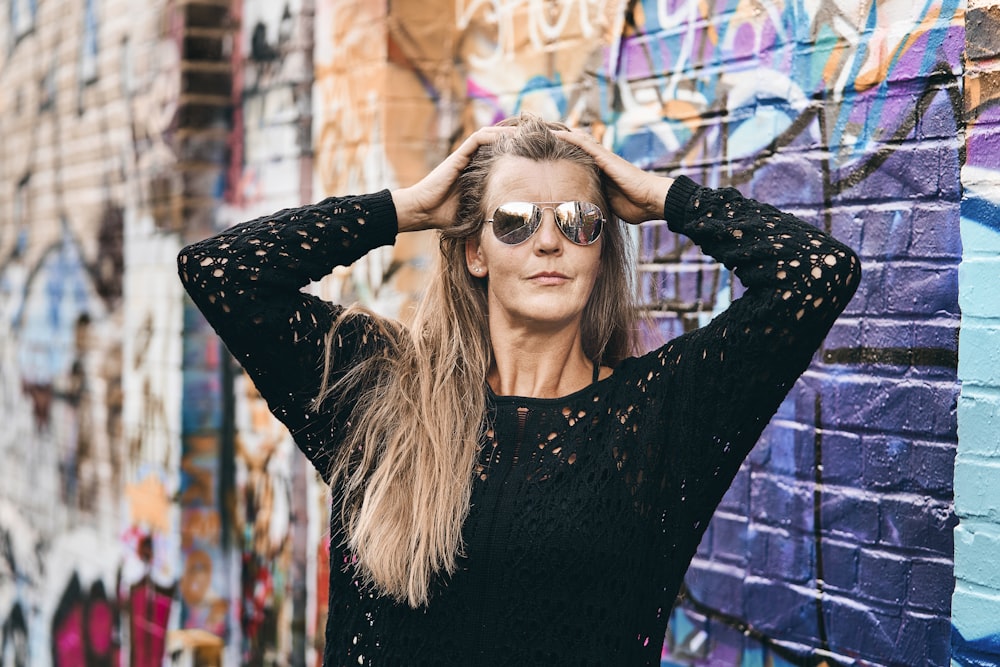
x: 835, y: 540
x: 128, y: 129
x: 976, y: 603
x: 91, y: 199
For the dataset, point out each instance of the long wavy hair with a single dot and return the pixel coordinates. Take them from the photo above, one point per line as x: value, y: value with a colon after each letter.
x: 403, y: 476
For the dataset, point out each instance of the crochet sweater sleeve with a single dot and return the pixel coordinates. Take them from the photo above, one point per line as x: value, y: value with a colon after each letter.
x: 724, y: 381
x: 248, y: 280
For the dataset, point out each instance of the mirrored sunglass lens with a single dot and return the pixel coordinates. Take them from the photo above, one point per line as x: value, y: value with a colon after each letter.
x: 512, y: 223
x: 580, y: 221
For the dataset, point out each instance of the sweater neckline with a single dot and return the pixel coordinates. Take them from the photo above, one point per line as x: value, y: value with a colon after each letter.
x: 533, y: 400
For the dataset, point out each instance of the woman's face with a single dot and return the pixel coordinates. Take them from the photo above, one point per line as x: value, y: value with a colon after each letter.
x: 546, y: 280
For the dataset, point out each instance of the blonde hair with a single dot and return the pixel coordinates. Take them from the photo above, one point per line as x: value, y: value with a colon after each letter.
x: 403, y: 475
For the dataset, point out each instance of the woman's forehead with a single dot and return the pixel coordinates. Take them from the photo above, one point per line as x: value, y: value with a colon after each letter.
x: 523, y: 179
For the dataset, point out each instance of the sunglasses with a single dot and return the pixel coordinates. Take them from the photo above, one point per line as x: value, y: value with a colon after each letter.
x: 579, y: 221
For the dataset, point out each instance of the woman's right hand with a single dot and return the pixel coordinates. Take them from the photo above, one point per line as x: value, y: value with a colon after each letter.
x: 432, y: 203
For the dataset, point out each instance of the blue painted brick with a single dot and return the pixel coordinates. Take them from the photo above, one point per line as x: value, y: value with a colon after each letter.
x: 787, y: 180
x: 885, y: 234
x: 863, y: 631
x: 980, y: 414
x: 842, y: 460
x: 737, y: 498
x: 923, y: 640
x: 883, y: 576
x: 979, y: 363
x: 781, y: 502
x: 783, y: 611
x: 932, y: 469
x: 938, y: 120
x: 978, y: 276
x: 888, y: 408
x: 729, y: 539
x: 918, y: 523
x: 887, y: 460
x: 921, y: 289
x: 854, y: 516
x: 931, y: 585
x: 936, y: 231
x: 840, y: 565
x: 976, y: 546
x: 721, y: 589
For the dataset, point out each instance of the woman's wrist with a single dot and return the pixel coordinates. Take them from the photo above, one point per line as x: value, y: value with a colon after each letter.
x: 408, y: 216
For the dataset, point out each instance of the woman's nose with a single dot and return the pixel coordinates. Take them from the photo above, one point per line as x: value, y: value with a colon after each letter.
x: 548, y: 238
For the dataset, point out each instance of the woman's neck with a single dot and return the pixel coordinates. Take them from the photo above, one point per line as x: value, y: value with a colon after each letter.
x: 538, y: 363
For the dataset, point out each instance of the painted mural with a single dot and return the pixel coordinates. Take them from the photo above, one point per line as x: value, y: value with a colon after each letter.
x: 975, y: 624
x: 146, y: 488
x: 834, y: 544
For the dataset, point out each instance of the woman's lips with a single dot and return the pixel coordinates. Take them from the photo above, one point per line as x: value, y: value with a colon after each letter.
x: 548, y: 278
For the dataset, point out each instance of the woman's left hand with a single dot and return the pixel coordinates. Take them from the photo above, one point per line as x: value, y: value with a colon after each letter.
x: 635, y: 195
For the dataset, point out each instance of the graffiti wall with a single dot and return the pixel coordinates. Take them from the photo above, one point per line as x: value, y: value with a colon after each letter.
x: 90, y: 343
x: 835, y: 542
x: 147, y: 494
x: 976, y: 610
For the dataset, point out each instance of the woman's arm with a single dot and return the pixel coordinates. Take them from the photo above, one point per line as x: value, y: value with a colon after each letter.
x: 724, y: 381
x: 247, y: 281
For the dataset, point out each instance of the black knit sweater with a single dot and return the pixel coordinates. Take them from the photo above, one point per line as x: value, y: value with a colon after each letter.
x: 586, y: 509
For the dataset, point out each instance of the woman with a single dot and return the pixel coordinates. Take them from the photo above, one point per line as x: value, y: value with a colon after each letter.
x: 511, y: 486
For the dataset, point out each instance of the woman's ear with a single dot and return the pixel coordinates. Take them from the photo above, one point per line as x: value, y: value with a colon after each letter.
x: 474, y: 257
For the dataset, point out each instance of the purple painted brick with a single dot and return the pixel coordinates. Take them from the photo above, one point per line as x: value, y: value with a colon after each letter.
x: 779, y: 555
x: 840, y: 565
x: 918, y: 523
x: 842, y: 463
x: 722, y: 590
x: 846, y: 333
x: 777, y: 501
x: 936, y: 231
x: 737, y: 498
x: 885, y: 234
x: 923, y: 640
x: 887, y: 460
x: 781, y: 611
x: 889, y: 408
x: 869, y: 298
x: 865, y: 632
x: 847, y: 224
x: 883, y: 576
x: 786, y: 451
x: 932, y: 469
x: 931, y: 585
x: 938, y: 121
x: 729, y: 539
x: 921, y: 289
x: 854, y: 516
x: 788, y: 180
x: 705, y: 546
x: 898, y: 464
x: 912, y: 171
x: 791, y: 557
